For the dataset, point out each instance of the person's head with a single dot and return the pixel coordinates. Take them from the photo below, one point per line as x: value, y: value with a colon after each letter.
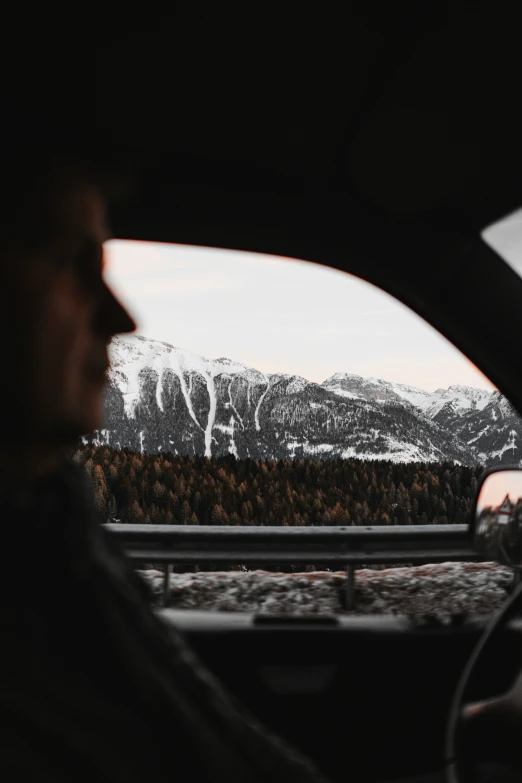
x: 58, y: 314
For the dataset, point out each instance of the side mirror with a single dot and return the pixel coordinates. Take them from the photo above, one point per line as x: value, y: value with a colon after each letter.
x: 497, y: 524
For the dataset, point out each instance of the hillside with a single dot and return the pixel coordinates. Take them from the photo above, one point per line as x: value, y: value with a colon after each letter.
x: 160, y: 398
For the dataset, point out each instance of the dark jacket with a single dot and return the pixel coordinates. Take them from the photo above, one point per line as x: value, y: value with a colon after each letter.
x: 94, y: 686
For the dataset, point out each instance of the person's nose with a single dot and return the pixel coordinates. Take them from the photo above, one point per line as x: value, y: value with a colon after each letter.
x: 112, y: 316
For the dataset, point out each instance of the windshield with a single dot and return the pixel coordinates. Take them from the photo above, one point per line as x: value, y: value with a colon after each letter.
x: 263, y: 392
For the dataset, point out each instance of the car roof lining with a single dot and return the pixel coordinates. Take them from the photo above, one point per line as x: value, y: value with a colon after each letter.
x: 380, y: 140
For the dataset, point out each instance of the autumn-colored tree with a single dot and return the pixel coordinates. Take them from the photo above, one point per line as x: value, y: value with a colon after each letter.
x: 136, y: 514
x: 167, y: 489
x: 186, y: 512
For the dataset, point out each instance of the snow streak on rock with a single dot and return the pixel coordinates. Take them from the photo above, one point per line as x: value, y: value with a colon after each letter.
x: 186, y: 394
x: 258, y: 407
x: 232, y: 405
x: 211, y: 414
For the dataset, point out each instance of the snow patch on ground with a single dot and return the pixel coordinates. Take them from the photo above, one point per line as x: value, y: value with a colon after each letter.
x: 229, y: 430
x: 319, y: 448
x: 396, y: 452
x: 444, y: 588
x: 342, y: 393
x: 481, y: 433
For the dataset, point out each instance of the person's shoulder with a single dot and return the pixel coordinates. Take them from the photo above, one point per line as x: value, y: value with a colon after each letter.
x: 98, y: 546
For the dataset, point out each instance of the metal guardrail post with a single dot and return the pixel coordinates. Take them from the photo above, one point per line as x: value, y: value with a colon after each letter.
x: 350, y: 587
x: 166, y: 584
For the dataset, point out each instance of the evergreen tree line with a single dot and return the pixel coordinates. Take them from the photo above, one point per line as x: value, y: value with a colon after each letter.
x: 165, y: 489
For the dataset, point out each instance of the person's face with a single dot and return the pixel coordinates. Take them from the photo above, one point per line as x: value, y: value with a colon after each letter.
x: 68, y: 316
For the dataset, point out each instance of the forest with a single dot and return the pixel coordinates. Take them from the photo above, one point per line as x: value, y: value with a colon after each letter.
x: 131, y: 487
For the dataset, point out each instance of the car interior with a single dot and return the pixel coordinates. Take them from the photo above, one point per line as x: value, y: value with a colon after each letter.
x: 377, y: 138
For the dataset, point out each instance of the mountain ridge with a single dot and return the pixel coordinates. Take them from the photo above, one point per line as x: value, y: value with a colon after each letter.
x: 163, y: 398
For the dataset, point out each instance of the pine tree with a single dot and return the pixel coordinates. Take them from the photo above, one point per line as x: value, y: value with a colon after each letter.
x: 186, y: 513
x: 136, y: 514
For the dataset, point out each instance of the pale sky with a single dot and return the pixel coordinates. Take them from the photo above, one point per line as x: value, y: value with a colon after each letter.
x: 279, y: 315
x: 498, y: 485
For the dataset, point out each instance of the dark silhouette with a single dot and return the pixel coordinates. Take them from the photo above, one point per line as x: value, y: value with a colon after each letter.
x: 93, y: 685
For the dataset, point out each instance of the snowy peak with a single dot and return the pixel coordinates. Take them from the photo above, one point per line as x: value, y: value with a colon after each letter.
x: 133, y: 358
x: 460, y: 398
x: 374, y: 389
x: 227, y: 365
x: 293, y: 384
x: 355, y: 386
x: 413, y: 395
x: 344, y: 376
x: 134, y: 348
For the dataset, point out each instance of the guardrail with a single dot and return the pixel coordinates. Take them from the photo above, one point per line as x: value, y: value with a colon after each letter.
x: 347, y: 547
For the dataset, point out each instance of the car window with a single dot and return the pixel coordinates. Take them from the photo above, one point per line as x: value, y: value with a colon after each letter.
x: 505, y: 237
x: 270, y: 392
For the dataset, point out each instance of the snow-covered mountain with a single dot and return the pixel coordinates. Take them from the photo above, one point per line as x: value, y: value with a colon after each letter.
x: 492, y: 428
x: 162, y: 398
x: 460, y: 399
x: 482, y: 420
